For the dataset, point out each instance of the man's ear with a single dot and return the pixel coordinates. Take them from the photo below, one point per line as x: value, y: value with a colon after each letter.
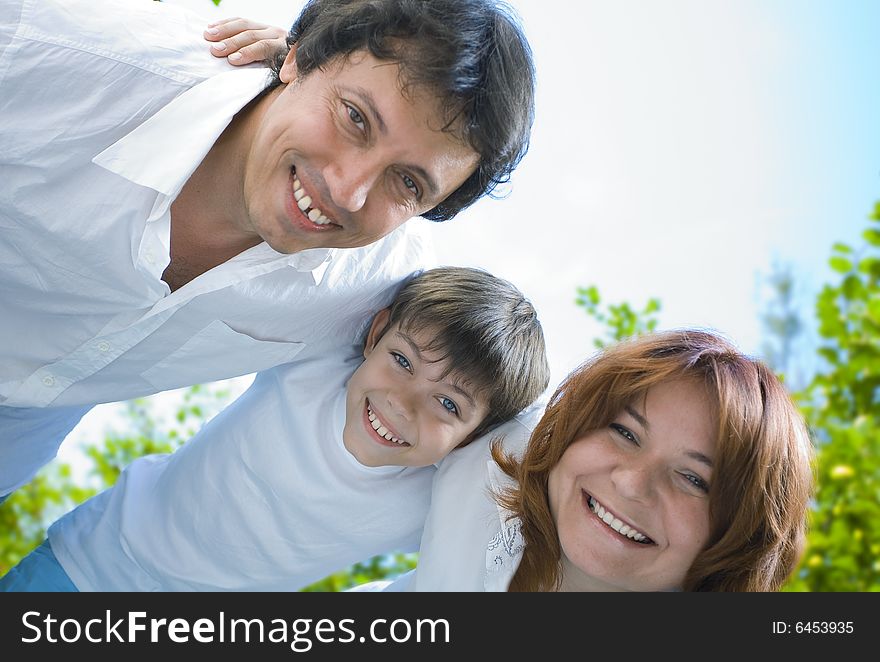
x: 377, y: 330
x: 288, y: 69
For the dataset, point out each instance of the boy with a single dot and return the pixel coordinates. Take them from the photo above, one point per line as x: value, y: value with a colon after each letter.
x: 340, y: 469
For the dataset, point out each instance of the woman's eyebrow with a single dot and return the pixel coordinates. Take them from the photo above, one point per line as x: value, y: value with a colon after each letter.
x: 636, y: 415
x: 694, y: 455
x: 699, y: 457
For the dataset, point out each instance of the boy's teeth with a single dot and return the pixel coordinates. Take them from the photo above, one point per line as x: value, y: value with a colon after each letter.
x: 304, y: 202
x: 381, y: 430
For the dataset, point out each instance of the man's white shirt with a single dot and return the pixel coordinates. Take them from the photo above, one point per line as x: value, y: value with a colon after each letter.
x: 107, y: 108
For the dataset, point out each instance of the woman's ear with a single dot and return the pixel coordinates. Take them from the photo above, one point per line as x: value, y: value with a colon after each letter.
x: 377, y: 330
x: 287, y: 74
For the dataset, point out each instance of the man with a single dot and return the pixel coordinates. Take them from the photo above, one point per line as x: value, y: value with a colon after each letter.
x: 167, y: 219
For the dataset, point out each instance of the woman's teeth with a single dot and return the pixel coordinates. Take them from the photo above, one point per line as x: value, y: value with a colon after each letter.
x: 304, y: 202
x: 623, y: 529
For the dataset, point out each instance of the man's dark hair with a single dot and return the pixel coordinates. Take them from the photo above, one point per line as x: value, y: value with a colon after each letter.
x: 472, y: 54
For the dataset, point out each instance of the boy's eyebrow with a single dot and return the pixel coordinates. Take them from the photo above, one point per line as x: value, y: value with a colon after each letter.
x: 415, y: 348
x: 694, y: 455
x: 366, y: 97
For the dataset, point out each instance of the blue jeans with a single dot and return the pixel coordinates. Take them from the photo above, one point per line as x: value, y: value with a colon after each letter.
x: 39, y: 571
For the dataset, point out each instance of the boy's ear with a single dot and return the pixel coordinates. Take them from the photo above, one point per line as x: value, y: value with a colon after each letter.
x: 287, y: 74
x: 377, y: 328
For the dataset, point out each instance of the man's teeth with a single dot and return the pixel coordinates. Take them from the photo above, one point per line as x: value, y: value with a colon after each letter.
x: 304, y: 202
x: 382, y: 430
x: 616, y: 524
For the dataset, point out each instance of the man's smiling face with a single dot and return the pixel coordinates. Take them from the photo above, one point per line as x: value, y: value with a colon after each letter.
x: 342, y: 156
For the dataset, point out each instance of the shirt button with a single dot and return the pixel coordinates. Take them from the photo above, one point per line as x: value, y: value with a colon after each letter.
x: 48, y: 380
x: 104, y: 346
x: 149, y: 257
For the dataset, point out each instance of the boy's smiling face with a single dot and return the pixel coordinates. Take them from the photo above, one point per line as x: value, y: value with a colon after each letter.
x: 398, y: 410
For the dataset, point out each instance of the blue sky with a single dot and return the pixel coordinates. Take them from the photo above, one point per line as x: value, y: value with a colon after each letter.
x: 679, y: 149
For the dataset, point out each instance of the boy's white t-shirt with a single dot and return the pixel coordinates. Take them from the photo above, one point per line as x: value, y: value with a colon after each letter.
x: 265, y: 497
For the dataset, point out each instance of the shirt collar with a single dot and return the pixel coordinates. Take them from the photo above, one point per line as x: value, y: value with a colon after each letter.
x: 165, y: 150
x: 505, y: 549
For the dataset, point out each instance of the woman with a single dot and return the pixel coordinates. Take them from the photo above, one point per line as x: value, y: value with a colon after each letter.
x: 667, y: 462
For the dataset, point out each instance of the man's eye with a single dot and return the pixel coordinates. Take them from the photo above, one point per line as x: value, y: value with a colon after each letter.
x: 402, y: 361
x: 410, y: 185
x: 356, y: 118
x: 624, y: 432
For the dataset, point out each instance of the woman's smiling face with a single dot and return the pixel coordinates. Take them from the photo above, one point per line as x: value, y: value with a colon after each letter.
x: 630, y: 501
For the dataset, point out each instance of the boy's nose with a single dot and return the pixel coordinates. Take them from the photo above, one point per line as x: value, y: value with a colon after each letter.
x: 400, y: 404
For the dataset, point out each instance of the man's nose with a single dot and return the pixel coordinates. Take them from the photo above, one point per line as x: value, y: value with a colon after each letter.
x: 350, y: 180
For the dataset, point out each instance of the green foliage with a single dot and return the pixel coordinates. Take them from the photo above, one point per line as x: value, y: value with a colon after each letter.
x: 28, y: 512
x: 620, y: 320
x: 378, y: 567
x: 842, y: 407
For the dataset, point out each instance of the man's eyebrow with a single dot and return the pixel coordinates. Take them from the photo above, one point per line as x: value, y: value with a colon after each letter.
x: 694, y: 455
x: 367, y: 99
x: 418, y: 352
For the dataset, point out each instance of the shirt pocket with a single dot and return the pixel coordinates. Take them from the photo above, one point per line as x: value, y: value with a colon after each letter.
x: 218, y: 352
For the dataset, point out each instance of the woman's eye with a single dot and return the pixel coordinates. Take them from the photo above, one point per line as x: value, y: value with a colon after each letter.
x: 402, y: 361
x: 449, y: 406
x: 697, y: 482
x: 624, y: 432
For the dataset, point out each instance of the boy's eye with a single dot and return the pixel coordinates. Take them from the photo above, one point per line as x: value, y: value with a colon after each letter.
x: 402, y: 361
x: 624, y: 432
x: 449, y: 405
